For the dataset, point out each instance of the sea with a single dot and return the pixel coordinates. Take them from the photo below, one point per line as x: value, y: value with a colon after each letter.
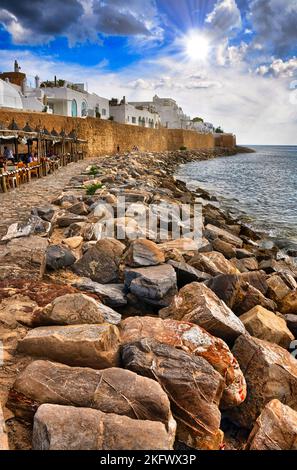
x: 260, y: 189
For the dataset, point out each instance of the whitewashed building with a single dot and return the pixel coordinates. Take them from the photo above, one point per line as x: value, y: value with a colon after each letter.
x: 9, y: 96
x: 127, y: 113
x: 171, y: 115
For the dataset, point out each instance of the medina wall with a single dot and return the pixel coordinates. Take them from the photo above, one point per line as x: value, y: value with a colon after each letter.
x: 105, y: 136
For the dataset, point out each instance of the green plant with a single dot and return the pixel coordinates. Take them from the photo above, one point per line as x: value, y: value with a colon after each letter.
x: 198, y: 119
x: 219, y: 130
x: 92, y: 188
x: 94, y: 170
x: 183, y: 148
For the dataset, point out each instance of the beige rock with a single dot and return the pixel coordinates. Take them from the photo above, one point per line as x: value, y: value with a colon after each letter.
x: 225, y: 248
x: 22, y: 257
x: 275, y: 428
x: 17, y: 309
x: 183, y: 245
x: 195, y: 341
x: 279, y: 286
x: 3, y: 433
x: 59, y: 427
x: 191, y: 383
x: 213, y: 263
x: 110, y: 390
x: 94, y: 346
x: 73, y: 242
x: 270, y: 372
x: 264, y: 324
x: 143, y: 252
x: 198, y: 304
x: 75, y: 309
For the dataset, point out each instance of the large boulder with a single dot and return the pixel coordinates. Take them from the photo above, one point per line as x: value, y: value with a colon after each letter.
x: 275, y: 428
x: 270, y: 372
x: 110, y: 390
x: 101, y: 263
x: 264, y: 324
x: 33, y: 226
x: 143, y: 252
x: 279, y: 286
x: 242, y: 292
x: 75, y: 309
x: 59, y: 427
x: 45, y: 212
x: 3, y: 433
x: 291, y: 321
x: 154, y: 285
x: 94, y: 346
x: 198, y: 304
x: 23, y: 257
x: 80, y: 208
x: 225, y: 248
x: 195, y: 341
x: 59, y: 257
x: 111, y: 294
x: 191, y: 383
x: 213, y: 263
x: 224, y: 235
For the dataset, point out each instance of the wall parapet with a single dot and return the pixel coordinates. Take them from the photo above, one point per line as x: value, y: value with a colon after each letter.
x: 104, y: 137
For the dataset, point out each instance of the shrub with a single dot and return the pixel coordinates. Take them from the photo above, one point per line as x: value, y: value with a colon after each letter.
x: 94, y: 170
x: 92, y: 188
x: 183, y: 148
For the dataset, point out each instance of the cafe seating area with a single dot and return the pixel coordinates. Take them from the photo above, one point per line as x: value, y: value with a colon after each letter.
x: 27, y: 153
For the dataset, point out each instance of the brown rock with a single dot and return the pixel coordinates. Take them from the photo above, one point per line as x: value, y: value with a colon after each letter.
x: 143, y: 252
x: 182, y: 245
x: 283, y: 266
x: 59, y: 427
x: 101, y: 263
x: 289, y: 303
x: 110, y: 390
x: 225, y: 248
x: 187, y: 274
x: 80, y: 208
x: 198, y: 304
x: 275, y: 428
x: 245, y: 265
x: 213, y: 263
x: 64, y: 219
x: 193, y: 340
x: 22, y: 257
x: 279, y: 286
x: 270, y: 372
x: 94, y: 346
x: 192, y: 385
x: 225, y: 235
x: 75, y: 309
x: 3, y: 433
x: 239, y: 292
x: 291, y: 323
x: 264, y: 324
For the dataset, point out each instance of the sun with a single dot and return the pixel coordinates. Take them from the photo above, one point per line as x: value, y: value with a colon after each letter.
x: 196, y: 46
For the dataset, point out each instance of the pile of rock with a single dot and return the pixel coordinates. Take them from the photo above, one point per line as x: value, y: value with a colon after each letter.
x: 141, y: 339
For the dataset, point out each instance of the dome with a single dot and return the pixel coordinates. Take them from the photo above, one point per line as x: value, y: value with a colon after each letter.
x: 9, y: 96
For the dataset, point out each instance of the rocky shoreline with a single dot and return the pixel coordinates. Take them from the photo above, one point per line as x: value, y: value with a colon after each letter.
x: 147, y: 340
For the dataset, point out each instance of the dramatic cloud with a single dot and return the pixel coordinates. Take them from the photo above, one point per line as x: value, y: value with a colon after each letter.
x: 224, y: 18
x: 38, y: 21
x: 279, y: 68
x: 274, y: 22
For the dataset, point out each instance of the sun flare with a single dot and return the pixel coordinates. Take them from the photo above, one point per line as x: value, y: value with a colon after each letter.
x: 196, y: 46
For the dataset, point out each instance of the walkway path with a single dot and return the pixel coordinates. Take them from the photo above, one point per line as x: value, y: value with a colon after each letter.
x: 16, y: 205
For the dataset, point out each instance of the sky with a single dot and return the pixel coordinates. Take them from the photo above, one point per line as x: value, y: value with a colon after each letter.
x: 231, y: 62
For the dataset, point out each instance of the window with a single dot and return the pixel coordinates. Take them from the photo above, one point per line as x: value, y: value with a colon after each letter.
x: 133, y: 120
x: 84, y: 109
x: 128, y: 119
x: 103, y: 112
x: 74, y: 108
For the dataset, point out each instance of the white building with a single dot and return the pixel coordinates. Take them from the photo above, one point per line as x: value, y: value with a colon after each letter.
x: 9, y: 96
x: 202, y: 127
x: 73, y: 100
x: 171, y: 115
x: 127, y: 113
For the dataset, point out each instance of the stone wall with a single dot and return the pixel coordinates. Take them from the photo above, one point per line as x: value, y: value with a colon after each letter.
x: 105, y: 136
